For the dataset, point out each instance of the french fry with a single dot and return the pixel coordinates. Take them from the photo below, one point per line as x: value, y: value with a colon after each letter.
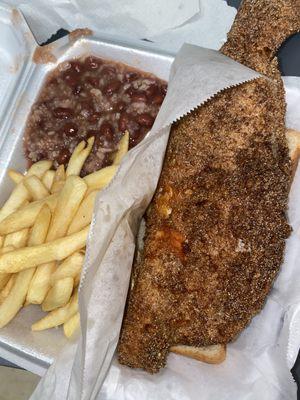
x: 59, y: 179
x: 123, y: 148
x: 26, y: 216
x: 4, y: 277
x: 84, y: 213
x: 38, y: 236
x: 17, y: 295
x: 6, y: 249
x: 7, y: 289
x: 77, y: 280
x: 42, y: 243
x: 57, y: 186
x: 40, y: 228
x: 72, y: 325
x: 70, y: 267
x: 59, y: 316
x: 40, y: 283
x: 60, y: 174
x: 12, y: 241
x: 15, y: 176
x: 39, y: 168
x: 17, y: 239
x: 99, y: 179
x: 57, y: 250
x: 80, y: 154
x: 48, y: 179
x: 18, y: 197
x: 67, y: 205
x: 59, y: 294
x: 68, y: 202
x: 36, y: 188
x: 13, y: 301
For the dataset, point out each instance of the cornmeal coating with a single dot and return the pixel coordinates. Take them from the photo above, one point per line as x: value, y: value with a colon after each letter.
x: 216, y: 227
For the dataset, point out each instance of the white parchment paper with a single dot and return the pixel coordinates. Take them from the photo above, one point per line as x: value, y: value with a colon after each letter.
x: 168, y: 23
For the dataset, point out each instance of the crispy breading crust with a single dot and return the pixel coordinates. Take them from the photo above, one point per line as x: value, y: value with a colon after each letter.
x: 260, y: 27
x: 216, y: 227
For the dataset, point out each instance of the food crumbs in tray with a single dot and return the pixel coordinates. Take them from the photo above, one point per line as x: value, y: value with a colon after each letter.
x: 91, y: 97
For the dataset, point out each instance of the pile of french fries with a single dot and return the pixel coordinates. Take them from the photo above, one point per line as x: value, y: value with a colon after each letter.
x: 43, y: 231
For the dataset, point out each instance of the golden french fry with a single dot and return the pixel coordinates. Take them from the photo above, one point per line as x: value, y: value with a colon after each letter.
x: 60, y: 174
x: 6, y: 249
x: 59, y: 179
x: 14, y: 300
x: 15, y: 176
x: 57, y: 186
x: 17, y: 239
x: 57, y: 250
x: 25, y: 217
x: 80, y: 154
x: 38, y: 236
x: 67, y: 205
x: 123, y: 148
x: 77, y: 280
x: 17, y: 295
x: 40, y: 283
x: 59, y: 294
x: 84, y: 213
x: 4, y: 277
x: 48, y: 179
x: 12, y: 303
x: 59, y: 316
x: 18, y: 197
x: 1, y: 241
x: 72, y: 325
x: 70, y: 267
x: 6, y: 290
x: 40, y: 228
x: 36, y: 188
x: 99, y: 179
x: 39, y: 168
x: 22, y: 285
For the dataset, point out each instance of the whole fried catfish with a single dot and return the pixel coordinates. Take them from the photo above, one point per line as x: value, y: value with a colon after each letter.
x: 216, y: 227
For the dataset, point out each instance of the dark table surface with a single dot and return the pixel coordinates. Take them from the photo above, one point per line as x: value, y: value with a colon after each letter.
x: 289, y: 61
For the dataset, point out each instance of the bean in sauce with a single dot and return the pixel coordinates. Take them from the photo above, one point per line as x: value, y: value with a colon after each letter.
x: 91, y: 97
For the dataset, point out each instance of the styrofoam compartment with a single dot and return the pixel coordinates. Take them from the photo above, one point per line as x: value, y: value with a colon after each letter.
x: 20, y: 81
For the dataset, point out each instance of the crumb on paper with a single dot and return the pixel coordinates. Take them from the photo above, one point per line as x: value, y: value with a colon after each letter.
x: 15, y: 17
x: 78, y: 33
x: 44, y: 55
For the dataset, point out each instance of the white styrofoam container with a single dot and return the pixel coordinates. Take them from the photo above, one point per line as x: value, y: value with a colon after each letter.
x: 20, y: 81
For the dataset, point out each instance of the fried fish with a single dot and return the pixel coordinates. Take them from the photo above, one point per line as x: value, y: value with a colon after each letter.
x: 216, y: 227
